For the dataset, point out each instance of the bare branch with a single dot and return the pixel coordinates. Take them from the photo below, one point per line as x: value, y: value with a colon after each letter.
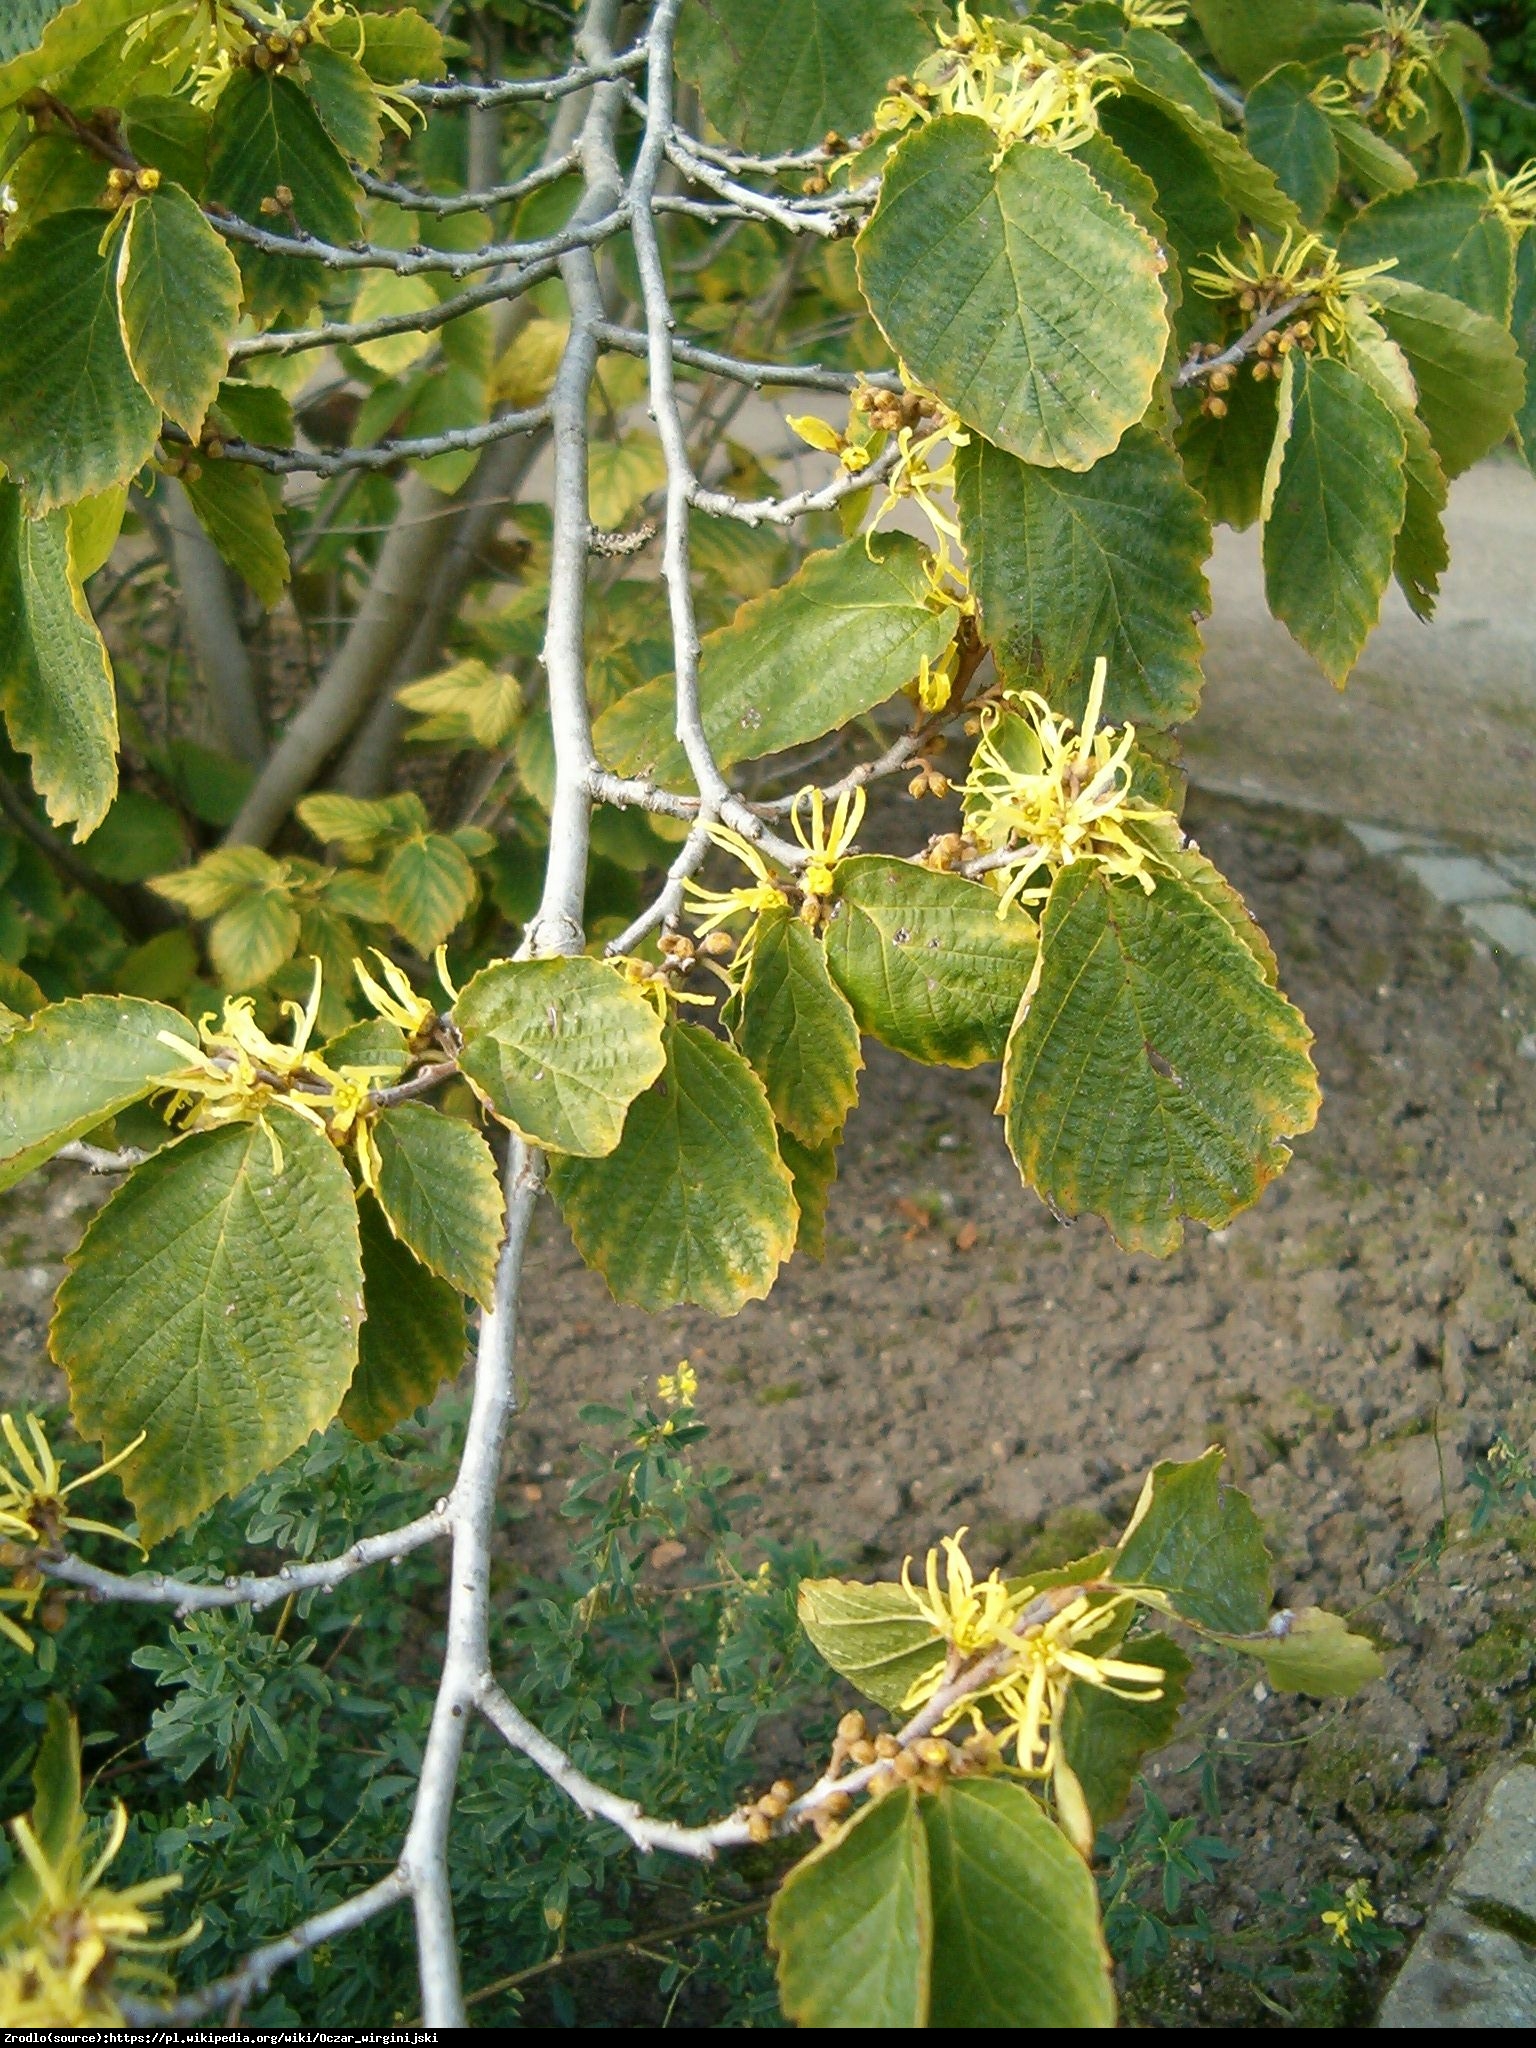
x: 258, y: 1970
x: 419, y: 1084
x: 467, y: 202
x: 760, y: 376
x: 99, y: 1159
x: 249, y: 1589
x: 347, y: 333
x: 420, y: 261
x: 828, y: 216
x: 503, y: 92
x: 784, y: 511
x: 382, y: 454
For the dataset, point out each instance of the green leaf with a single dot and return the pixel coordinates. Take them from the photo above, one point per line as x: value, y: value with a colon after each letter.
x: 695, y: 1205
x: 178, y: 297
x: 1335, y: 504
x: 1024, y: 296
x: 1466, y: 366
x: 1312, y: 1651
x: 776, y: 75
x: 796, y: 1028
x: 1367, y: 158
x: 853, y: 1923
x: 214, y: 1304
x: 170, y: 135
x: 359, y: 825
x: 221, y: 878
x: 232, y: 504
x: 1290, y: 133
x: 813, y: 1169
x: 468, y: 705
x: 56, y: 684
x: 1155, y: 1071
x: 372, y: 1042
x: 1016, y: 1935
x: 1250, y: 188
x: 621, y: 475
x: 75, y: 418
x: 412, y: 1338
x: 559, y: 1049
x: 439, y: 1190
x: 342, y: 95
x: 41, y: 40
x: 1105, y: 1735
x: 428, y: 886
x: 75, y: 1064
x: 94, y: 526
x: 1442, y: 235
x: 397, y: 48
x: 1190, y: 197
x: 452, y: 398
x: 929, y: 967
x: 57, y: 1821
x: 870, y: 1635
x: 1248, y: 40
x: 256, y: 935
x: 848, y: 630
x: 1198, y: 1544
x: 1068, y: 566
x: 139, y: 836
x: 266, y: 134
x: 1225, y: 459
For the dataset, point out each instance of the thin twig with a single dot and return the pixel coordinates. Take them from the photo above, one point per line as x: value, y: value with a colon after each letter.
x: 1198, y: 367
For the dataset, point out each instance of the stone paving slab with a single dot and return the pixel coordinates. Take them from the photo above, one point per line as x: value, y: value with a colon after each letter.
x: 1474, y: 1965
x: 1436, y: 733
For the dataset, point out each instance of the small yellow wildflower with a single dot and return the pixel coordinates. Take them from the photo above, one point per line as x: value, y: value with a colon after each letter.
x: 33, y: 1512
x: 1512, y: 199
x: 1009, y: 79
x: 1066, y: 799
x: 1302, y: 267
x: 1356, y: 1910
x: 678, y: 1389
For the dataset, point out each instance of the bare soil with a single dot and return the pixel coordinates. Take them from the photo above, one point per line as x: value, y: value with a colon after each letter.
x: 1356, y: 1343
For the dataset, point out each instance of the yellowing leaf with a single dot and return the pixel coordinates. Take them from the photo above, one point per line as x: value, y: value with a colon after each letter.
x: 178, y: 297
x: 526, y: 369
x: 428, y: 886
x: 621, y: 474
x: 383, y: 294
x: 440, y: 1194
x: 559, y: 1049
x: 695, y: 1204
x: 56, y: 684
x: 469, y: 704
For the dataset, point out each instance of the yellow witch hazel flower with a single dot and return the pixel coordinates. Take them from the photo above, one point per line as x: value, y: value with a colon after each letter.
x: 1057, y: 796
x: 1009, y: 78
x: 1164, y: 14
x: 1044, y: 1657
x: 1512, y: 199
x: 239, y: 1073
x: 33, y: 1512
x: 824, y: 844
x: 62, y: 1953
x: 715, y: 907
x: 1302, y: 267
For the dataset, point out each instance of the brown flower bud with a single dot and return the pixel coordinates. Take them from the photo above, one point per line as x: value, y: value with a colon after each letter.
x: 758, y: 1827
x: 905, y: 1765
x: 852, y: 1727
x: 886, y: 1745
x: 862, y: 1752
x: 781, y: 1788
x: 718, y: 946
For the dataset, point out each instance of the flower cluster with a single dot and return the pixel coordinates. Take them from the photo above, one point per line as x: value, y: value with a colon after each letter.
x: 1025, y: 1650
x: 34, y: 1515
x: 1025, y: 89
x: 1049, y: 796
x: 1304, y: 269
x: 237, y: 1072
x: 825, y: 841
x: 1512, y: 199
x: 1387, y: 69
x: 1354, y: 1913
